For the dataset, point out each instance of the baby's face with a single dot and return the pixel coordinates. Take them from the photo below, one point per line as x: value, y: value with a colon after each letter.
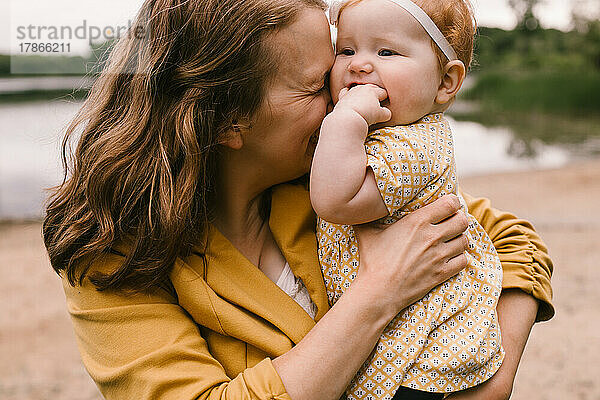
x: 379, y: 42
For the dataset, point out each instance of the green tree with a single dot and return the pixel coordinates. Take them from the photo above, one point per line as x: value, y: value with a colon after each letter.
x: 585, y: 16
x: 4, y: 64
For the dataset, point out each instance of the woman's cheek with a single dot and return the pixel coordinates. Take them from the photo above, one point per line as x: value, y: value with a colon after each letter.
x: 335, y: 92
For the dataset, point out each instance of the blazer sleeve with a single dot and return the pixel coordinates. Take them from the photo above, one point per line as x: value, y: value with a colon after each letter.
x: 145, y: 346
x: 523, y: 254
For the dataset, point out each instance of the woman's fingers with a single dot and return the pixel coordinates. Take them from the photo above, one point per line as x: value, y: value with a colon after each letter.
x: 454, y: 258
x: 454, y: 265
x: 408, y: 258
x: 453, y: 226
x: 441, y: 209
x: 416, y: 253
x: 456, y: 246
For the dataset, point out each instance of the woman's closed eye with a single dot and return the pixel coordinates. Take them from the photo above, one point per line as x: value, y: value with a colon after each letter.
x: 325, y: 85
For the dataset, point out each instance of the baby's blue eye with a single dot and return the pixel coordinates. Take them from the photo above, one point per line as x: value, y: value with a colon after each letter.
x: 346, y: 52
x: 386, y: 53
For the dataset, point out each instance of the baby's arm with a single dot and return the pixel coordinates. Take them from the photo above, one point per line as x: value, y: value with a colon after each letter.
x: 342, y: 189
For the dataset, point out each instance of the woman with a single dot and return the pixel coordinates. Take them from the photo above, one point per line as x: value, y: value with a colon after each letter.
x: 179, y: 216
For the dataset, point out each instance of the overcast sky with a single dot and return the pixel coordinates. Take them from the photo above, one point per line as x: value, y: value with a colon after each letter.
x: 114, y: 13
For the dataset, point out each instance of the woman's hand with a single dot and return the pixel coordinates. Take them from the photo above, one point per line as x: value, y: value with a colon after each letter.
x: 404, y: 261
x: 398, y: 266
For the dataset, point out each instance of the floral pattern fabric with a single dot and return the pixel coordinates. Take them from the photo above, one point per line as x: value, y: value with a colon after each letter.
x: 450, y: 339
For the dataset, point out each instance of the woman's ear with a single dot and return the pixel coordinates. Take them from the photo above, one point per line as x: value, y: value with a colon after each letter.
x: 233, y: 137
x: 452, y: 80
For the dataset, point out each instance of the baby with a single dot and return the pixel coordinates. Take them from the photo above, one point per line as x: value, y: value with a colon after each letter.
x: 386, y: 150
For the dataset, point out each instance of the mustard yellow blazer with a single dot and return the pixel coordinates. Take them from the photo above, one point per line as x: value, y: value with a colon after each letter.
x: 216, y: 338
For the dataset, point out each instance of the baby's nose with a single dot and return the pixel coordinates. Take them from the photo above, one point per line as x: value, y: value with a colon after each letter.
x: 360, y: 64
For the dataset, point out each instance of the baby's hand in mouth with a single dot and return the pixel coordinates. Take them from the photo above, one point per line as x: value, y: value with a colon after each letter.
x: 367, y: 100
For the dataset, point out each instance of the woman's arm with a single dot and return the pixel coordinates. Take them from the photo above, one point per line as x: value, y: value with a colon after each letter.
x: 146, y: 346
x: 524, y: 256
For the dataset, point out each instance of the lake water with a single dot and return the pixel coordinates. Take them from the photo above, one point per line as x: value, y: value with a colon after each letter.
x: 30, y: 136
x: 23, y: 84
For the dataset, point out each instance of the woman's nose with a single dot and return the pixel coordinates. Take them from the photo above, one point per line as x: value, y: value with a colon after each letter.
x: 360, y: 64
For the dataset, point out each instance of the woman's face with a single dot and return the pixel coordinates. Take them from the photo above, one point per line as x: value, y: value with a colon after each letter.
x: 285, y: 131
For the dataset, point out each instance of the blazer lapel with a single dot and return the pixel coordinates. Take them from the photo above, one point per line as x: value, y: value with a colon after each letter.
x: 293, y: 224
x: 234, y: 278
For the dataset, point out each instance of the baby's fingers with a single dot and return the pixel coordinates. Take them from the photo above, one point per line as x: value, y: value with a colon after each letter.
x: 342, y: 93
x: 384, y: 115
x: 380, y: 92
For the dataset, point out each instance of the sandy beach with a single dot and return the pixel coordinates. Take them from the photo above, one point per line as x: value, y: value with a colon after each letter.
x: 39, y: 358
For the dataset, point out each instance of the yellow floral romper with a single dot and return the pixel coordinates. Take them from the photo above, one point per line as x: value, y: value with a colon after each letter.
x: 450, y: 339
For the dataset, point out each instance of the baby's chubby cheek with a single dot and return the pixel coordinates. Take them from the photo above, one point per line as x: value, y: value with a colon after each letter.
x: 336, y: 81
x: 334, y: 90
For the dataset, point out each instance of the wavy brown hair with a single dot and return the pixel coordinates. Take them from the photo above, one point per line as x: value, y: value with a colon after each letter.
x: 143, y: 169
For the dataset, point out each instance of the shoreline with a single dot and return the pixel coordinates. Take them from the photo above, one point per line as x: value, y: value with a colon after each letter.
x: 559, y: 362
